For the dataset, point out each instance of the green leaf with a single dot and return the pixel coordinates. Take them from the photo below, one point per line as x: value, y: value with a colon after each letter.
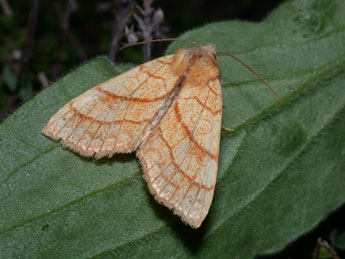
x: 280, y: 173
x: 324, y: 253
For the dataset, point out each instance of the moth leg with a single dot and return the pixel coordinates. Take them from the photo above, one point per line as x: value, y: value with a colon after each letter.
x: 228, y: 129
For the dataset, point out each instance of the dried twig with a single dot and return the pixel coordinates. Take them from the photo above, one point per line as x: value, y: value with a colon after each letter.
x: 28, y: 45
x: 123, y: 14
x: 324, y: 244
x: 148, y: 20
x: 64, y: 20
x: 148, y: 23
x: 6, y: 8
x: 43, y: 79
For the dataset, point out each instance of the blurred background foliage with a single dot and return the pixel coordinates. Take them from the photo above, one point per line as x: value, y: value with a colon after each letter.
x: 42, y: 40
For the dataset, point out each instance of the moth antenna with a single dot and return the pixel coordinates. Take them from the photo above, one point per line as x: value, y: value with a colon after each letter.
x: 156, y: 40
x: 251, y: 70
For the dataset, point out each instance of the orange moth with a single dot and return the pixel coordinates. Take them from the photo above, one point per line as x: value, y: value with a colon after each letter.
x: 169, y: 111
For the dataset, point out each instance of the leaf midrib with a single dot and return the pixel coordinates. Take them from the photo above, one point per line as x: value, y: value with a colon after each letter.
x: 84, y: 197
x: 33, y: 159
x: 308, y: 85
x: 293, y: 44
x: 300, y: 152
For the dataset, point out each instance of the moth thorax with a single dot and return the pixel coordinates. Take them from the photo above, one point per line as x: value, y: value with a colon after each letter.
x: 198, y: 66
x: 202, y: 70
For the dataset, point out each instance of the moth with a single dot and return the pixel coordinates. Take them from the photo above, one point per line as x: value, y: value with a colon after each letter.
x: 168, y: 110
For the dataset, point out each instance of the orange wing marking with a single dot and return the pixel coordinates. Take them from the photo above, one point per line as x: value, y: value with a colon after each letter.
x: 162, y: 62
x: 191, y: 136
x: 95, y: 132
x: 128, y: 99
x: 178, y: 168
x: 157, y: 77
x: 202, y: 149
x: 86, y: 117
x: 69, y: 119
x: 210, y: 88
x: 206, y: 107
x: 132, y: 99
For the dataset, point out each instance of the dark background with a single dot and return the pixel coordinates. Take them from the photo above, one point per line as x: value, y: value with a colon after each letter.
x: 42, y: 40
